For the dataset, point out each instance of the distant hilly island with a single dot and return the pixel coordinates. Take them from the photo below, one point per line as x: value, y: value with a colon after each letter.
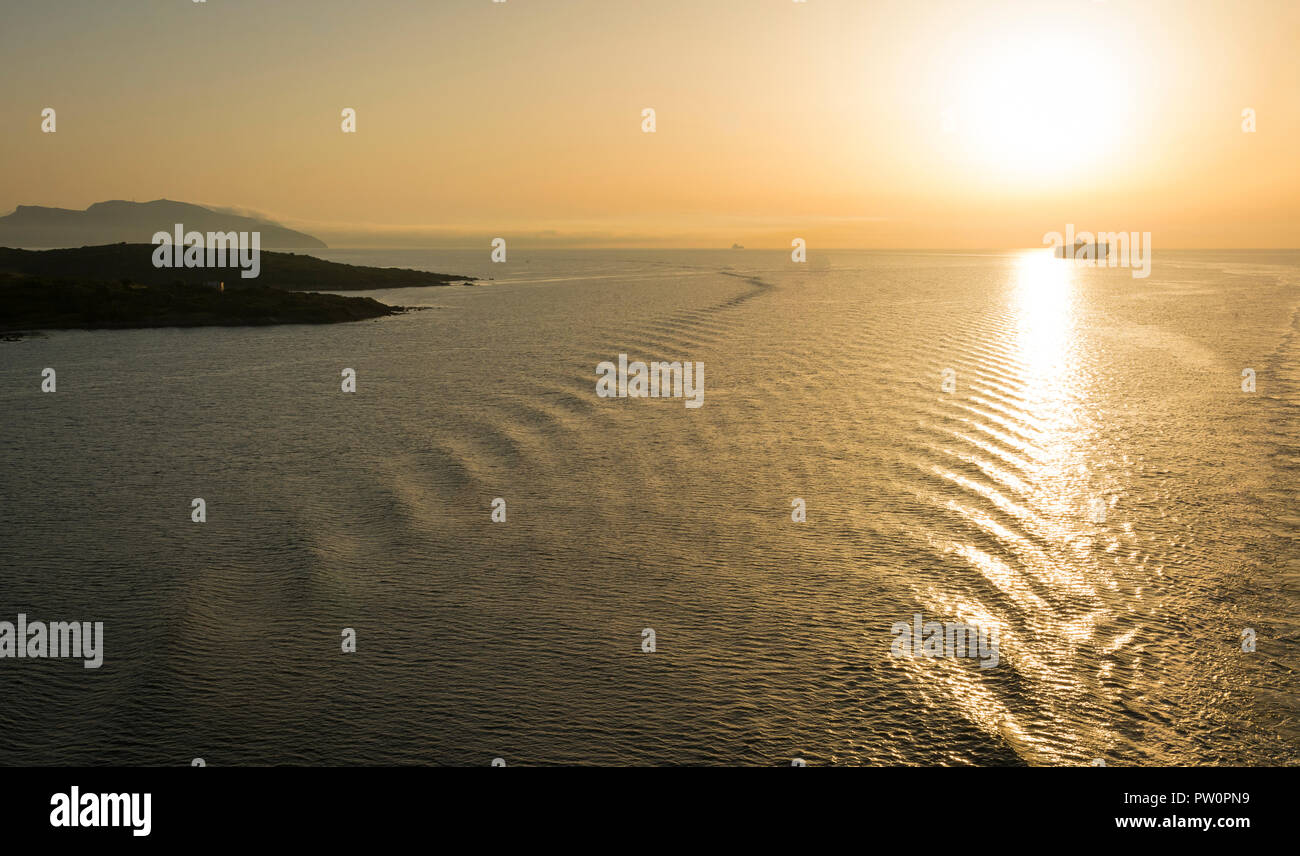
x: 35, y: 226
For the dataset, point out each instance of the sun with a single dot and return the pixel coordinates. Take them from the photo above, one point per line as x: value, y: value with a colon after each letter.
x: 1040, y: 102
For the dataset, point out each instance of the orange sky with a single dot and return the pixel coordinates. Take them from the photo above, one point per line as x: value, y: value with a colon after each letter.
x: 850, y: 123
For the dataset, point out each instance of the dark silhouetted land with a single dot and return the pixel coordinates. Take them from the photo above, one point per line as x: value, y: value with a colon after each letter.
x: 290, y: 271
x: 37, y: 303
x: 117, y: 286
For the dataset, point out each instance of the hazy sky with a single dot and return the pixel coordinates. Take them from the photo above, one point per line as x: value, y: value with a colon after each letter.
x: 904, y: 123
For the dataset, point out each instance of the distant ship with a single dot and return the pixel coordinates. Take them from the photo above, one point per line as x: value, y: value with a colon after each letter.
x: 737, y: 247
x: 1084, y: 250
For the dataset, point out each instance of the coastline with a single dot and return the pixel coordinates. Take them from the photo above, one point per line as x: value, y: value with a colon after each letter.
x: 31, y: 304
x: 117, y: 286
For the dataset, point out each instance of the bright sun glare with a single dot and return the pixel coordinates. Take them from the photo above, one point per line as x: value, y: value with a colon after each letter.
x: 1041, y: 102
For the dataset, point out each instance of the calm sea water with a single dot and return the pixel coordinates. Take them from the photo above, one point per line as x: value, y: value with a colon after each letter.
x: 1119, y: 639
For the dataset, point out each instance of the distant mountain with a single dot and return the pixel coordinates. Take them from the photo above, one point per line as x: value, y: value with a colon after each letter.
x: 134, y: 223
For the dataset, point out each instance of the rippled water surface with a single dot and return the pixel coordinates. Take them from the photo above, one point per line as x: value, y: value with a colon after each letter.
x: 1119, y: 638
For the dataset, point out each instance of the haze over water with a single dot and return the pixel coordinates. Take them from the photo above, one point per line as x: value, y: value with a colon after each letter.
x: 1118, y: 640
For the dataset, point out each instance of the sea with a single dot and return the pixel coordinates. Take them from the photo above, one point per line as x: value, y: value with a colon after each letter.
x: 475, y: 556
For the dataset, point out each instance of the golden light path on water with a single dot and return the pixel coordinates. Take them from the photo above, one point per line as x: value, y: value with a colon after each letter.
x: 1031, y: 516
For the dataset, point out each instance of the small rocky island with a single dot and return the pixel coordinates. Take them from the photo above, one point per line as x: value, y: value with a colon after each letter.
x: 118, y: 286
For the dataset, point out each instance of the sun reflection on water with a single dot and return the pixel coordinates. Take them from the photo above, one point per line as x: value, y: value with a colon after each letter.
x: 1043, y: 303
x: 1030, y: 419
